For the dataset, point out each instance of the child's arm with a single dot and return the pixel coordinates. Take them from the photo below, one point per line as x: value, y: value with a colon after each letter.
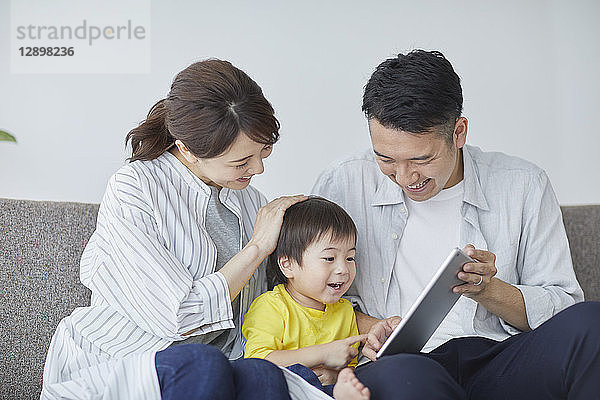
x: 336, y: 354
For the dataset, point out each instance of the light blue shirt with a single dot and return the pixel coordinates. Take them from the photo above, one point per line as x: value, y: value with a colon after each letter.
x: 509, y: 208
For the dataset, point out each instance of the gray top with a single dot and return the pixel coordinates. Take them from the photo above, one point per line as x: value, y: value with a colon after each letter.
x: 223, y: 228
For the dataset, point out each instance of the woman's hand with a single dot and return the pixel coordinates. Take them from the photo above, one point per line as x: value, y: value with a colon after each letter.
x: 269, y: 218
x: 377, y: 335
x: 268, y: 223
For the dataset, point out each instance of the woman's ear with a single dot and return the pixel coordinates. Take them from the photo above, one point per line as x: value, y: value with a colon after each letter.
x: 285, y: 265
x: 185, y: 152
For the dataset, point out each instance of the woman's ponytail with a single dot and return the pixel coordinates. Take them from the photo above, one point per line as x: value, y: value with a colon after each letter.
x: 151, y: 138
x: 210, y: 104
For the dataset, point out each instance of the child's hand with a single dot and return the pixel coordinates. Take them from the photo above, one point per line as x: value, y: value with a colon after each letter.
x: 339, y: 353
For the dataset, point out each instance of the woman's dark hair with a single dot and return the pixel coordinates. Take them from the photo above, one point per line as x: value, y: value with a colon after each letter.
x: 303, y: 224
x: 414, y: 93
x: 210, y: 103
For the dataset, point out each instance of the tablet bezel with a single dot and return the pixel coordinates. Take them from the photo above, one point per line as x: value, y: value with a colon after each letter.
x: 429, y: 310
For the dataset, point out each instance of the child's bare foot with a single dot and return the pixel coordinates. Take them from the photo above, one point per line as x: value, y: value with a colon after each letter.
x: 348, y: 387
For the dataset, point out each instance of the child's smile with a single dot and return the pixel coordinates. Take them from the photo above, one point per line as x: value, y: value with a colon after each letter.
x: 325, y: 273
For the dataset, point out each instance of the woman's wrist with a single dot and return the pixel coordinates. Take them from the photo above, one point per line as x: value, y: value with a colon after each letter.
x: 257, y: 250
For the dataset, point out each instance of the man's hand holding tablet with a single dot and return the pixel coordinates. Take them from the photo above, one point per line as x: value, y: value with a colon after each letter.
x: 411, y: 333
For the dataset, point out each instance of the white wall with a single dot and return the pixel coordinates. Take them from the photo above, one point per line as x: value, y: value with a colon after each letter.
x: 529, y: 71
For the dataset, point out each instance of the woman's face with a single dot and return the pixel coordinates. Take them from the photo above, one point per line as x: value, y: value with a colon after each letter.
x: 234, y: 168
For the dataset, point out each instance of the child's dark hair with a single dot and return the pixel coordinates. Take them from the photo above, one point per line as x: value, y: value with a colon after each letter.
x: 304, y: 223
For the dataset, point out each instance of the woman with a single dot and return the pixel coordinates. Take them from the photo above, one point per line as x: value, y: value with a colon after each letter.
x: 176, y: 256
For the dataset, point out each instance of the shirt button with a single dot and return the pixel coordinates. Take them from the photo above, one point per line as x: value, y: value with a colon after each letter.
x: 402, y: 209
x: 382, y: 280
x: 394, y: 236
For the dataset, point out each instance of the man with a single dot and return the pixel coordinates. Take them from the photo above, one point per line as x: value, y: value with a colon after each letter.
x: 418, y: 193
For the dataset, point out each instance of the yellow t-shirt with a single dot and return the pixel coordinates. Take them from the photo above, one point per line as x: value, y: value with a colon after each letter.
x: 275, y: 321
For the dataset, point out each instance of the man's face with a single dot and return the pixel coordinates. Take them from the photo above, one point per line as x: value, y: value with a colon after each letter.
x: 421, y: 164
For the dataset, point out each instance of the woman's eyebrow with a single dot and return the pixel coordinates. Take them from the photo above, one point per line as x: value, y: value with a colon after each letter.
x: 241, y: 159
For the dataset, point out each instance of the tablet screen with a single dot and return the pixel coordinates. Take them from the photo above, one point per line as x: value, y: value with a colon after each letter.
x: 429, y: 310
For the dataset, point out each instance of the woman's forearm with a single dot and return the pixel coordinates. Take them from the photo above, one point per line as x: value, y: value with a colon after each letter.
x: 241, y: 267
x: 268, y: 222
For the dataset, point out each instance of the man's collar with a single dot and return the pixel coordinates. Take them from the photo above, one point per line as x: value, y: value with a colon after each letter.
x: 473, y: 192
x: 389, y: 193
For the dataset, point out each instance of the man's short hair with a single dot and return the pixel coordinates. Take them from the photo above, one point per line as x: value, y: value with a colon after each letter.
x: 415, y: 93
x: 304, y: 223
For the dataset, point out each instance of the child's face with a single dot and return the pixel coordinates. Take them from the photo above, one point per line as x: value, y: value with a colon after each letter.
x: 326, y: 272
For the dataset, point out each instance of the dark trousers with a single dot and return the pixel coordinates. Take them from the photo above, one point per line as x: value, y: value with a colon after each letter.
x: 308, y: 375
x: 197, y: 371
x: 558, y: 360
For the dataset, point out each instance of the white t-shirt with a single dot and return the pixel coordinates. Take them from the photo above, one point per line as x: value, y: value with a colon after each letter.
x: 431, y: 231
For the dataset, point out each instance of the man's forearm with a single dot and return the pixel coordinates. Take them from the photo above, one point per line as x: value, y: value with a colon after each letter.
x: 505, y: 301
x: 365, y: 322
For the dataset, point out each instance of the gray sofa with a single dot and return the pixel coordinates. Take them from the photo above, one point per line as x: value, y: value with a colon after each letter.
x: 40, y: 247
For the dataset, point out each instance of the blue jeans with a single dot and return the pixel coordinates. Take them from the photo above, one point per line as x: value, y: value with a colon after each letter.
x: 558, y: 360
x: 308, y: 375
x: 197, y: 371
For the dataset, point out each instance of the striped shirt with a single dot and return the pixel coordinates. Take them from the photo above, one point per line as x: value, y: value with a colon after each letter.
x: 150, y: 265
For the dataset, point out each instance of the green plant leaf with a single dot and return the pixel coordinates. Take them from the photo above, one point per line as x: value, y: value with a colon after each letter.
x: 7, y: 137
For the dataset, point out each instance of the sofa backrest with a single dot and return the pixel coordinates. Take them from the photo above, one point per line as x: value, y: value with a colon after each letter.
x: 582, y: 224
x: 40, y: 247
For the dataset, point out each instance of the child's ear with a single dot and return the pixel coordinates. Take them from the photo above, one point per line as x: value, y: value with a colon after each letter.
x: 285, y: 265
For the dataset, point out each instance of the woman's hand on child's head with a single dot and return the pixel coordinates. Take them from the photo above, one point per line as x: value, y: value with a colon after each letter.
x: 377, y: 335
x: 268, y: 222
x: 339, y: 353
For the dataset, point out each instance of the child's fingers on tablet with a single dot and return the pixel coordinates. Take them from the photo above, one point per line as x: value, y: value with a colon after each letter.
x: 355, y: 339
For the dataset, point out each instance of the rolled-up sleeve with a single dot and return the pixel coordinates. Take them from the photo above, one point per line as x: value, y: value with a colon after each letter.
x: 127, y: 264
x: 547, y: 278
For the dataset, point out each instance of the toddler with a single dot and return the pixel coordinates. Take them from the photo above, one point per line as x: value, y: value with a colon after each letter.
x: 303, y: 323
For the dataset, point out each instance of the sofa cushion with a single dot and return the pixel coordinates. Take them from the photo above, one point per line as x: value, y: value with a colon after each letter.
x: 583, y: 230
x: 40, y: 247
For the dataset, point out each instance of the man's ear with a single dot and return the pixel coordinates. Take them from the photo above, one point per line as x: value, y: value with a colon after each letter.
x: 285, y: 265
x: 185, y: 152
x: 460, y: 132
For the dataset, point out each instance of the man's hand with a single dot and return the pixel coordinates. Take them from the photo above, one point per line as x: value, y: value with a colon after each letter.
x: 497, y: 296
x: 477, y: 275
x: 377, y: 335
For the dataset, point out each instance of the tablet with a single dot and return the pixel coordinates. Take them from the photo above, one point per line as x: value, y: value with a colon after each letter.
x: 430, y: 309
